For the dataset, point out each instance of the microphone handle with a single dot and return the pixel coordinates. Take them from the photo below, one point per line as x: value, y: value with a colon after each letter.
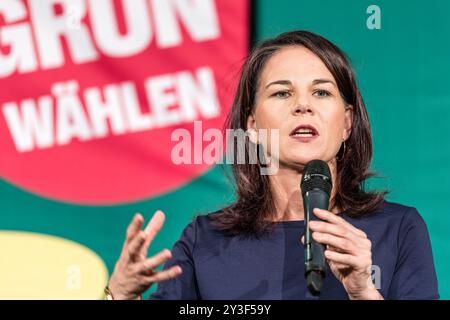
x: 315, y: 267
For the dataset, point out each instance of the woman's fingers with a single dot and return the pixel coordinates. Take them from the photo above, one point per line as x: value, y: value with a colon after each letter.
x: 134, y: 247
x: 334, y: 229
x: 334, y: 249
x: 151, y: 263
x: 333, y: 218
x: 152, y: 229
x: 134, y: 227
x: 164, y: 275
x: 328, y: 247
x: 138, y: 241
x: 155, y: 224
x: 344, y: 259
x: 340, y: 243
x: 326, y: 227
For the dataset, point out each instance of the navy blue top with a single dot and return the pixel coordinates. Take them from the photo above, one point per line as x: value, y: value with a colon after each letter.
x: 217, y: 265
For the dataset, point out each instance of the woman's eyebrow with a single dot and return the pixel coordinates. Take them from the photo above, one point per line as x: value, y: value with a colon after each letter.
x: 283, y: 82
x: 289, y: 83
x: 320, y: 81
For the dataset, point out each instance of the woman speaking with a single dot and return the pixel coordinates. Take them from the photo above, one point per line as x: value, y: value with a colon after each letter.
x: 303, y: 86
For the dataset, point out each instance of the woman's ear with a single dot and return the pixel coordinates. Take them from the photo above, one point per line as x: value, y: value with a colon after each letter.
x: 348, y: 121
x: 252, y: 129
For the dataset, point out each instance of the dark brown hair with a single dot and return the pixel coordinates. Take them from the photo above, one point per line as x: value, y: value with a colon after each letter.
x: 254, y: 206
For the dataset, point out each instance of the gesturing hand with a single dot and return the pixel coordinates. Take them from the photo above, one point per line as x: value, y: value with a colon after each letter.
x: 134, y: 272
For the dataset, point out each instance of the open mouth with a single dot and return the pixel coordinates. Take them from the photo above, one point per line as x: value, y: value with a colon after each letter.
x: 304, y: 131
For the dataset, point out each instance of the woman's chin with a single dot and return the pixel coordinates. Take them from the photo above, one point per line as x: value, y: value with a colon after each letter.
x: 297, y: 163
x: 304, y: 159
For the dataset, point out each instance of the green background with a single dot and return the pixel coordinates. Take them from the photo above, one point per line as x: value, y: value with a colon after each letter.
x: 403, y: 71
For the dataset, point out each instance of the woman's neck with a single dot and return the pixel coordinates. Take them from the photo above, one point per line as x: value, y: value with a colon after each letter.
x: 288, y: 200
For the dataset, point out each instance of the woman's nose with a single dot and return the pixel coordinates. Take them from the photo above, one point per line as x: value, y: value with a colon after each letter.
x: 302, y: 108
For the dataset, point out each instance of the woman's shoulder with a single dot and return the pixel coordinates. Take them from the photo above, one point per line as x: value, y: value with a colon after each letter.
x: 395, y: 211
x: 395, y: 208
x: 389, y: 213
x: 201, y: 225
x: 393, y: 215
x: 387, y: 210
x: 204, y: 223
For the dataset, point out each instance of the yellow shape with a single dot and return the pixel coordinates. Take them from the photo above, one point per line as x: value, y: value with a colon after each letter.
x: 38, y: 266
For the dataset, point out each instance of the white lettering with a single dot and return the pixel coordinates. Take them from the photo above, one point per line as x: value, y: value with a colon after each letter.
x: 100, y: 111
x: 49, y: 28
x: 114, y: 110
x: 71, y: 119
x: 198, y: 16
x: 31, y: 126
x: 21, y: 56
x: 106, y: 30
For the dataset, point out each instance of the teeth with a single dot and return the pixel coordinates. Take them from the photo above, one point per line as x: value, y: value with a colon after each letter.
x: 304, y: 132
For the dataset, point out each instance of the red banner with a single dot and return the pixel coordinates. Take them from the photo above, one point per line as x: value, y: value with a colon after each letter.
x: 91, y: 91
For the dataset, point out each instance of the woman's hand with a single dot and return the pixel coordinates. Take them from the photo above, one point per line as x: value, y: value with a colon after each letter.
x: 348, y: 252
x: 133, y: 273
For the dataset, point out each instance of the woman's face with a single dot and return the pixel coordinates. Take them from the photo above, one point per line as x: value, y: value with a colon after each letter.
x: 299, y: 96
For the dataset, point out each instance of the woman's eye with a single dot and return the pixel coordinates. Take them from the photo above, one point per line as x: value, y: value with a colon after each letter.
x: 322, y: 93
x: 281, y: 94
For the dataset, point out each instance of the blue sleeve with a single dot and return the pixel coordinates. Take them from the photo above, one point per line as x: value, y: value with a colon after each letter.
x: 414, y: 276
x: 185, y: 286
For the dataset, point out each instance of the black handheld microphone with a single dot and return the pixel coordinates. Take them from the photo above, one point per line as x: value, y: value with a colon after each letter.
x: 316, y: 188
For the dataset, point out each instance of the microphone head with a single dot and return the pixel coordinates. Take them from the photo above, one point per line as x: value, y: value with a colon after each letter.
x: 316, y: 175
